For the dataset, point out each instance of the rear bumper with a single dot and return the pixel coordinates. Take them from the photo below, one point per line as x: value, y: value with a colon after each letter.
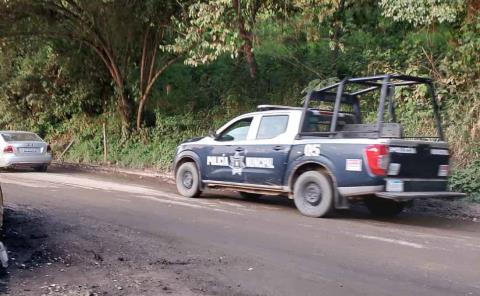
x: 406, y: 196
x: 28, y: 160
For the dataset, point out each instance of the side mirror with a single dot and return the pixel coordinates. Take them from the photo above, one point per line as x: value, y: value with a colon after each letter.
x: 212, y: 134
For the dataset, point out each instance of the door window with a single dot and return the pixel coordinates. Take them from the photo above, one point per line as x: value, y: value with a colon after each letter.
x: 272, y: 126
x: 238, y: 131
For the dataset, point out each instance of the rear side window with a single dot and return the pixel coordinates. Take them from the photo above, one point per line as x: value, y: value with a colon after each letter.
x: 272, y: 126
x: 19, y: 137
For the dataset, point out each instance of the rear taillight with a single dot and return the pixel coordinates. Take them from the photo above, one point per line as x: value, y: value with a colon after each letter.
x: 377, y: 159
x: 443, y: 170
x: 8, y: 149
x: 49, y: 149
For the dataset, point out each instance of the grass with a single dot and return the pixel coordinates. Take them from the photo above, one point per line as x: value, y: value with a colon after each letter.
x: 152, y: 147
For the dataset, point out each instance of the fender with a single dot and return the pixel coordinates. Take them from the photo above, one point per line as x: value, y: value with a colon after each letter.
x: 187, y: 154
x: 305, y: 160
x: 340, y: 201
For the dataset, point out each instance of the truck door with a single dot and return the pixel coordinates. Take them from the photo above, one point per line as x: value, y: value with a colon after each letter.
x: 225, y: 159
x: 267, y: 154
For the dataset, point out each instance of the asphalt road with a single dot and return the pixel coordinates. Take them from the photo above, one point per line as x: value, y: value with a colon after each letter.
x: 103, y: 235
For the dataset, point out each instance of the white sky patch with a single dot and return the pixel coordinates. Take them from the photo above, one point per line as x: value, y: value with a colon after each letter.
x: 392, y: 241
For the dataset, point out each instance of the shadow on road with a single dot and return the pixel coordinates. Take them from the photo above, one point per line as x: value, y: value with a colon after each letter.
x: 4, y: 279
x: 419, y: 215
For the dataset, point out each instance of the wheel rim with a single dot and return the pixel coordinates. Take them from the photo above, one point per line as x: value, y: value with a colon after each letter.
x: 312, y: 194
x: 187, y: 180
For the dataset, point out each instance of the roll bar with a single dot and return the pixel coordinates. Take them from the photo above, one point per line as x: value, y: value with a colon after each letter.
x: 336, y: 94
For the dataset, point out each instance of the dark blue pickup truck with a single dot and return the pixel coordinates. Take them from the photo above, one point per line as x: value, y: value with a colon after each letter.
x: 324, y: 156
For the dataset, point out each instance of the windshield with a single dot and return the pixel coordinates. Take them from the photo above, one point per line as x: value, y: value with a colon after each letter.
x: 19, y: 137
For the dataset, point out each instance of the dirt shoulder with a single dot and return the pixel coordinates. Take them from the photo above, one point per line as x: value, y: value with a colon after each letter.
x: 50, y: 256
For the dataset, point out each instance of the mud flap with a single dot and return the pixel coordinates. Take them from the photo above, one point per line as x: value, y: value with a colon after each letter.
x: 341, y: 202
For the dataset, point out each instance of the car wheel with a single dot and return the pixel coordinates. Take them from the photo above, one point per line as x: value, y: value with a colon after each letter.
x: 382, y: 207
x: 313, y: 194
x: 248, y: 195
x: 43, y: 168
x: 188, y: 180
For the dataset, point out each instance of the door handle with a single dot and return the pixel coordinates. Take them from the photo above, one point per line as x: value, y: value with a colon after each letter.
x: 278, y: 148
x: 239, y: 149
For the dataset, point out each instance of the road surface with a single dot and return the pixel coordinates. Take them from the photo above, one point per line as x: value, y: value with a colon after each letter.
x: 74, y: 233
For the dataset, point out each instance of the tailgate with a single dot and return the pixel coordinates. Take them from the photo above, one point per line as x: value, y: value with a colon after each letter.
x: 418, y: 160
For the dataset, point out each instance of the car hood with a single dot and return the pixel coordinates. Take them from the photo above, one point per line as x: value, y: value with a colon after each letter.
x: 192, y: 140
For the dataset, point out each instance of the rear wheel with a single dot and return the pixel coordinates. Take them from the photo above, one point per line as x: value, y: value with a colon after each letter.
x: 43, y: 168
x: 248, y: 195
x: 188, y: 180
x: 382, y: 207
x: 313, y: 194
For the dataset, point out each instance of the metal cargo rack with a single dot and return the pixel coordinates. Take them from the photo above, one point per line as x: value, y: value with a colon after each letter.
x: 336, y: 94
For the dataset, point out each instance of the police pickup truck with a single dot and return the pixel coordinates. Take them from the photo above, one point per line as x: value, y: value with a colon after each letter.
x: 324, y: 157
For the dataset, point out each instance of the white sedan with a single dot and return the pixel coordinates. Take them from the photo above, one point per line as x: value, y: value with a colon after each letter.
x: 24, y: 149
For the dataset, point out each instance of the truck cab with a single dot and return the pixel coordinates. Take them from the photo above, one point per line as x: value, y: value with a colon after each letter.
x: 323, y: 158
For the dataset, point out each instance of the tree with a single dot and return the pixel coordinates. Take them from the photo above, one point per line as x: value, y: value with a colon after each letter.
x: 330, y: 16
x: 39, y: 88
x: 120, y: 33
x: 209, y: 29
x: 424, y: 13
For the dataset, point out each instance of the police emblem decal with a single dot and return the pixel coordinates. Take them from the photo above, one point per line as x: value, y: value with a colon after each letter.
x: 237, y: 163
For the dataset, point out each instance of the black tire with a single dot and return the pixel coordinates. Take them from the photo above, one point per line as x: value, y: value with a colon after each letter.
x: 313, y: 194
x: 41, y: 169
x: 250, y: 196
x: 381, y: 207
x: 188, y: 180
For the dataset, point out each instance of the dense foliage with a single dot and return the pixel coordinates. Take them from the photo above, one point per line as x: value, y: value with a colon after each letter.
x: 157, y: 72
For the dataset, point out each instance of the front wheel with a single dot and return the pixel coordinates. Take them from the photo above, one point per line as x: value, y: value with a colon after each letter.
x: 313, y: 194
x: 382, y: 207
x: 188, y: 180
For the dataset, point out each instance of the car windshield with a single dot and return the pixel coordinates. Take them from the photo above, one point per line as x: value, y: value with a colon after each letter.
x: 19, y: 137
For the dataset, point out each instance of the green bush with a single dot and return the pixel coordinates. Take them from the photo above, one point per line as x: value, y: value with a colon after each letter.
x: 152, y: 147
x: 467, y: 180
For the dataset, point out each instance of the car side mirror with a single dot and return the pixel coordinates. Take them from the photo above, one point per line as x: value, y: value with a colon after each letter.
x: 212, y: 134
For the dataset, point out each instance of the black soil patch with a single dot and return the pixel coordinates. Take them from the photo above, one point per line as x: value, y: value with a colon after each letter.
x: 25, y: 238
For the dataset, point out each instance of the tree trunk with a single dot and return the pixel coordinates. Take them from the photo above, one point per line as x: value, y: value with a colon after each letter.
x: 125, y: 108
x: 473, y: 7
x: 146, y: 91
x: 337, y: 32
x: 247, y: 37
x: 251, y: 61
x: 141, y: 108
